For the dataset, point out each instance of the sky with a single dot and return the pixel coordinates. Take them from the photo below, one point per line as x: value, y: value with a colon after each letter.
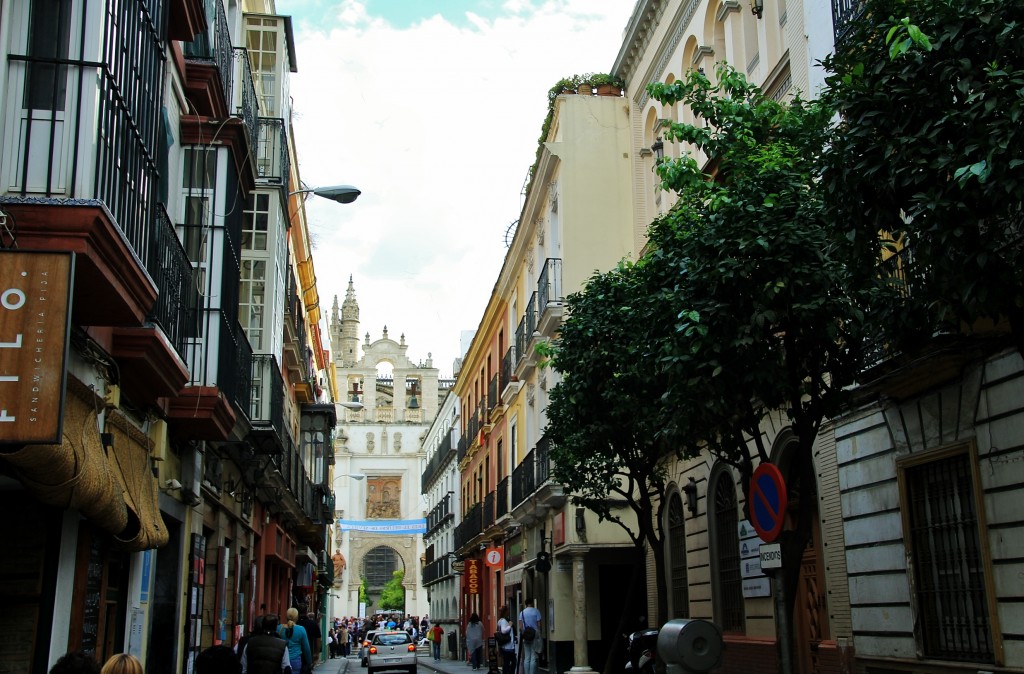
x: 433, y: 108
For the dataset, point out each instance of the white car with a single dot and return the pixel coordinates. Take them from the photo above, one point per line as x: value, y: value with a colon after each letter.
x: 391, y: 651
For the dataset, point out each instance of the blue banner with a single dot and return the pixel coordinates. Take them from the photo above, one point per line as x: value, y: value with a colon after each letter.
x: 385, y: 526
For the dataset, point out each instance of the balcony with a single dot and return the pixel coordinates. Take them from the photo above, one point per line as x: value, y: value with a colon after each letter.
x: 439, y: 516
x: 488, y: 511
x: 533, y: 492
x: 245, y: 103
x: 267, y: 405
x: 844, y: 14
x: 473, y: 429
x: 273, y: 162
x: 494, y: 408
x: 463, y: 448
x: 550, y: 302
x: 509, y: 384
x: 526, y: 340
x: 209, y: 71
x: 471, y: 527
x: 438, y: 461
x: 501, y: 500
x: 80, y: 157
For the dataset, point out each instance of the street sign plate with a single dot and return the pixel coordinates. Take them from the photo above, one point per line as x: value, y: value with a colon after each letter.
x: 767, y: 500
x: 771, y: 556
x: 458, y: 565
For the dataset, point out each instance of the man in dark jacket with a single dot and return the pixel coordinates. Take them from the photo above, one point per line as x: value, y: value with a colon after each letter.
x: 308, y: 622
x: 265, y: 652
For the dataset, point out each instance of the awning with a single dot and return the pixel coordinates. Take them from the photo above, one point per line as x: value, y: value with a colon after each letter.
x: 115, y: 489
x: 514, y: 576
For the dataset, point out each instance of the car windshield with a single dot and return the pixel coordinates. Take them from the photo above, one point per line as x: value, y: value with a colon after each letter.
x: 392, y: 639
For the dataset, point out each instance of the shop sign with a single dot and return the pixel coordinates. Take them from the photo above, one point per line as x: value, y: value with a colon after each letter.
x: 472, y: 576
x: 35, y: 309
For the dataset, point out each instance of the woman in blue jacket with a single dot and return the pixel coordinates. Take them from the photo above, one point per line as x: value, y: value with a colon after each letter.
x: 298, y: 643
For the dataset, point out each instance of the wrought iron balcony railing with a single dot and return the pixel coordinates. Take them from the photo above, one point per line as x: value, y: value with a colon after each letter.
x: 549, y: 285
x: 177, y: 299
x: 267, y: 392
x: 844, y: 14
x: 501, y: 502
x: 492, y: 394
x: 246, y: 104
x: 215, y: 45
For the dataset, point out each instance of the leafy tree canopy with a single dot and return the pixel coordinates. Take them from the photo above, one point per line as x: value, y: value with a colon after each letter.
x: 392, y: 597
x: 929, y: 148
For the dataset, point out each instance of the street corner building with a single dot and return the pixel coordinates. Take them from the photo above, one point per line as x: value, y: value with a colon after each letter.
x: 166, y: 405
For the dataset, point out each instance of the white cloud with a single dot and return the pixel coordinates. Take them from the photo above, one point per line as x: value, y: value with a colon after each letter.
x: 437, y: 124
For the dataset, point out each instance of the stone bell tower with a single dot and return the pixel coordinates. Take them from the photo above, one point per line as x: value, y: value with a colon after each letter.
x: 345, y: 332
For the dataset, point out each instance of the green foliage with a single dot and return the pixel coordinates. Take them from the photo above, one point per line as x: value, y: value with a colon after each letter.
x: 364, y: 597
x: 929, y: 149
x: 770, y: 302
x: 392, y: 597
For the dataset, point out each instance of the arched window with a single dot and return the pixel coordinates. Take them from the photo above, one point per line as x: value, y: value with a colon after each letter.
x: 725, y: 557
x: 679, y: 582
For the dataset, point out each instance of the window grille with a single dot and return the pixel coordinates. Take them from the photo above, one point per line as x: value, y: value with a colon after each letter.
x: 948, y: 569
x: 677, y: 557
x: 727, y: 556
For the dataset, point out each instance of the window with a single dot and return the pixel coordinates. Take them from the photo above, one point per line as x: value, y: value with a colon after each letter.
x: 725, y: 558
x: 48, y: 35
x: 262, y: 38
x: 257, y: 218
x: 679, y: 582
x: 252, y: 294
x: 942, y: 537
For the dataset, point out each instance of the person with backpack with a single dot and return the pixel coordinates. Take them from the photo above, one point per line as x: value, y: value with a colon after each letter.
x: 529, y: 636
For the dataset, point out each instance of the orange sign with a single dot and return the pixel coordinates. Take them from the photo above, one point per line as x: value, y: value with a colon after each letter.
x: 493, y: 557
x: 35, y: 305
x: 472, y: 576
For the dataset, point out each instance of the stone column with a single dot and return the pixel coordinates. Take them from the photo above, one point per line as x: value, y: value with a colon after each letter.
x: 579, y: 613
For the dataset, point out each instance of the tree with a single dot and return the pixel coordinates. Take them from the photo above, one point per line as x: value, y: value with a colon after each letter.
x: 749, y: 302
x: 930, y: 148
x: 770, y: 299
x: 392, y: 596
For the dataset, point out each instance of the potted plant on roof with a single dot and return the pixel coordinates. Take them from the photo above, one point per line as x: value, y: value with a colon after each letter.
x: 607, y: 85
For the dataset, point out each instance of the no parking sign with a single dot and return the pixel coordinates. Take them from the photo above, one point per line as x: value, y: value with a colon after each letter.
x: 768, y: 501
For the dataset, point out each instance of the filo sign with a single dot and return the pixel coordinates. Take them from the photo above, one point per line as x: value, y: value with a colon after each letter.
x: 35, y: 309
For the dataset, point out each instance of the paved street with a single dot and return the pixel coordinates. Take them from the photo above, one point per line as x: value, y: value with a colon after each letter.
x: 350, y: 665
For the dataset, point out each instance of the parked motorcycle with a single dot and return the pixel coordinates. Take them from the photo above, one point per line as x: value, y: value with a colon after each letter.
x: 641, y: 651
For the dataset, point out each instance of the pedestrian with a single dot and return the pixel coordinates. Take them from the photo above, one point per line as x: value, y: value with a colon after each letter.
x: 436, y: 632
x: 309, y: 623
x: 218, y: 660
x: 265, y: 652
x: 345, y: 639
x: 529, y: 636
x: 508, y: 649
x: 475, y: 641
x: 122, y: 663
x: 299, y: 655
x: 76, y: 662
x: 257, y: 627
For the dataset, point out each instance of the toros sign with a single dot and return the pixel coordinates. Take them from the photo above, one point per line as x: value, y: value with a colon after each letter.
x: 472, y: 576
x: 35, y: 303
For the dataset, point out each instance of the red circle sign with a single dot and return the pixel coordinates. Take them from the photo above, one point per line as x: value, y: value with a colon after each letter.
x: 493, y: 556
x: 767, y: 501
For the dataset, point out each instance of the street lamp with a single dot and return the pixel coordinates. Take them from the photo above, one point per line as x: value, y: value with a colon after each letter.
x: 343, y: 194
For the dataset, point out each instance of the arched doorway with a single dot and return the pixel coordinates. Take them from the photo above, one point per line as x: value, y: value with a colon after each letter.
x: 378, y: 569
x: 810, y: 604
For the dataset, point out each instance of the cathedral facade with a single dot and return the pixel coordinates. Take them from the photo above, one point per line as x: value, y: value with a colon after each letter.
x: 387, y: 404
